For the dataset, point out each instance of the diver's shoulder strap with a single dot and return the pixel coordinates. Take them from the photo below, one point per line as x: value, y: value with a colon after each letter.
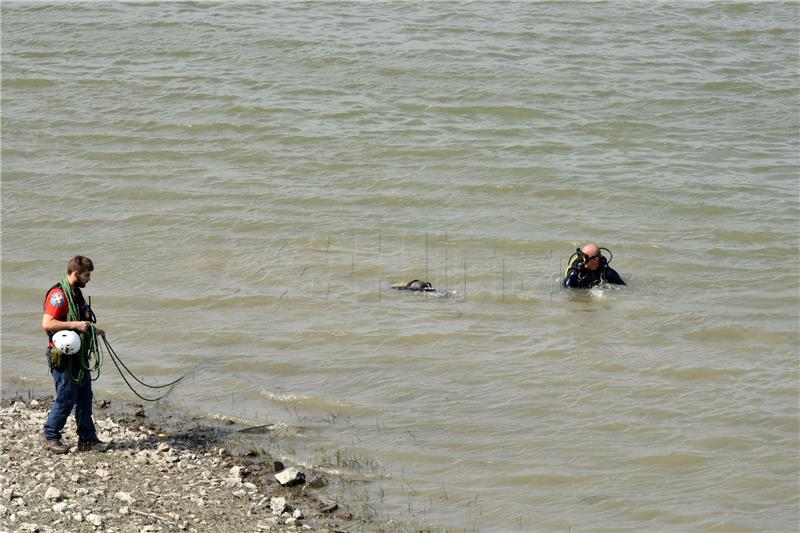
x: 571, y: 263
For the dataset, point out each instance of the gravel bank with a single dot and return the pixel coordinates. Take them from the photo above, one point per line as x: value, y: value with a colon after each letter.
x: 149, y: 481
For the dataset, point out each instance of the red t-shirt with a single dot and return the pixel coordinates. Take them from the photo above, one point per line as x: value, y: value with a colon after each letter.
x: 55, y: 304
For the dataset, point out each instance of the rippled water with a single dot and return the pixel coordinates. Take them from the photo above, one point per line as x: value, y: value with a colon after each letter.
x: 250, y: 179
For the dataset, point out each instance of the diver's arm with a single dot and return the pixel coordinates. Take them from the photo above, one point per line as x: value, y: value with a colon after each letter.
x: 571, y: 279
x: 613, y: 277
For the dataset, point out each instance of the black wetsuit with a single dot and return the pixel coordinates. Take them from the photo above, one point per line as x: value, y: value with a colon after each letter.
x: 579, y: 277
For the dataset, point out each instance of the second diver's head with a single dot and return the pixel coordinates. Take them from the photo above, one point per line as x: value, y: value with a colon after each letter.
x: 591, y: 256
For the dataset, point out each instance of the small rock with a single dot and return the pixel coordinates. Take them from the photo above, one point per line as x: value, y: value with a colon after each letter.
x: 278, y: 505
x: 52, y: 494
x: 232, y: 482
x: 10, y: 494
x: 124, y: 497
x: 344, y: 516
x: 318, y: 482
x: 60, y: 507
x: 240, y: 493
x: 289, y: 521
x: 102, y: 473
x: 274, y: 466
x: 34, y: 403
x: 238, y: 471
x: 124, y: 511
x: 297, y: 514
x: 77, y: 517
x: 249, y: 486
x: 290, y: 476
x: 95, y: 519
x: 163, y: 447
x: 327, y: 505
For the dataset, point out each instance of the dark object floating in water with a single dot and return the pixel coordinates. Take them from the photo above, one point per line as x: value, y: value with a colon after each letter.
x: 415, y: 286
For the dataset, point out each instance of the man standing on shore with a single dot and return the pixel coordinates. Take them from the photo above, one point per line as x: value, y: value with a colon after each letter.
x: 66, y: 309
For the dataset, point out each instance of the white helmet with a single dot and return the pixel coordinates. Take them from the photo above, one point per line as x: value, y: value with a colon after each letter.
x: 68, y: 342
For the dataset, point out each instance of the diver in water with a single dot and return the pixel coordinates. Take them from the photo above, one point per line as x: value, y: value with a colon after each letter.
x: 587, y: 268
x: 415, y: 286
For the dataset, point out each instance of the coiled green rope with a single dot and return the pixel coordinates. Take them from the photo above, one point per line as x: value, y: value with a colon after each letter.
x: 90, y: 347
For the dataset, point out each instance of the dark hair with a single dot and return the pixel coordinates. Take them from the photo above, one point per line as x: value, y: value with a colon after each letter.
x: 79, y: 264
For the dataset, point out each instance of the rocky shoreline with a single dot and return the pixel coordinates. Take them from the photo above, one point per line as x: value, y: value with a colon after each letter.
x: 182, y: 480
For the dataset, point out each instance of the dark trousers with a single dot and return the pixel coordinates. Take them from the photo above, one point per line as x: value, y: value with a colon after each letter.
x: 70, y: 395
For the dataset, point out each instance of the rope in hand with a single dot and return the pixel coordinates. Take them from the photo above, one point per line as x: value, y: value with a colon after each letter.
x: 91, y: 350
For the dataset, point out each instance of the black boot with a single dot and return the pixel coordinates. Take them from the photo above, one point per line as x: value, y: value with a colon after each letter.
x: 94, y: 444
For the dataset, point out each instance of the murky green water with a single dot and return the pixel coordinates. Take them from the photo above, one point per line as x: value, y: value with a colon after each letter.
x: 250, y: 179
